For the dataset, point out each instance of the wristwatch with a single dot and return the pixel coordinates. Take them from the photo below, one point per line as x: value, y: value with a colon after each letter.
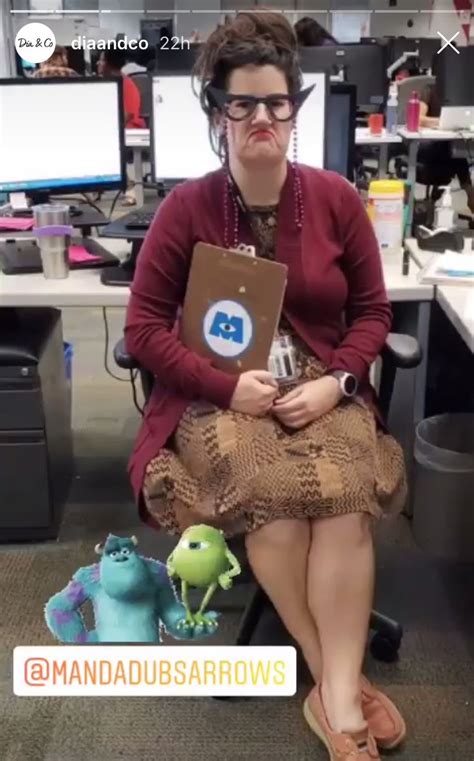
x: 348, y: 383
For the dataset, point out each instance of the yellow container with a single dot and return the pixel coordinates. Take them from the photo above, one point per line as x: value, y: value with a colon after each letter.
x: 385, y: 210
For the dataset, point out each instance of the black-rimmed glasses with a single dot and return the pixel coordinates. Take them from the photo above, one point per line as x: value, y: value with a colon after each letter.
x: 281, y: 107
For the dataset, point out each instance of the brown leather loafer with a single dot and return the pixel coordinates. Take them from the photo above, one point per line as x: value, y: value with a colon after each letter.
x: 342, y: 746
x: 383, y: 718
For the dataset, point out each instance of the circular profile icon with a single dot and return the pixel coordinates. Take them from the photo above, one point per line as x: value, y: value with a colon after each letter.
x: 35, y: 43
x: 228, y: 329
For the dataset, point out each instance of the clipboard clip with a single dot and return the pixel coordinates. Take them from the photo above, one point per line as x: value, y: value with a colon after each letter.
x: 242, y: 248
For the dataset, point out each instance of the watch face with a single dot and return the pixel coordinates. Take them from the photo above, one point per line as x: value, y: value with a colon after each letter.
x: 350, y: 385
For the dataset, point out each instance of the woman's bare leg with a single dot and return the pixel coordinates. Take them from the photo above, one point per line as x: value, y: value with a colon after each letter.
x: 278, y: 555
x: 340, y: 593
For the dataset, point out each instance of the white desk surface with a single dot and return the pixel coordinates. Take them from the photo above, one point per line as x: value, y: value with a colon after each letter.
x: 363, y: 137
x: 457, y: 301
x: 137, y: 138
x: 83, y: 288
x: 140, y: 138
x: 426, y: 133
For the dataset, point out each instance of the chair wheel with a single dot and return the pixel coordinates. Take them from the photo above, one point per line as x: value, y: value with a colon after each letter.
x: 384, y: 648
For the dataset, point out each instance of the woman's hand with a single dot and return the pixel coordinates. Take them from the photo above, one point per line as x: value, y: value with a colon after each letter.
x: 255, y: 393
x: 308, y: 402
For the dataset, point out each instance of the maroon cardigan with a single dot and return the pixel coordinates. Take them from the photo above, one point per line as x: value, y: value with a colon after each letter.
x: 334, y: 274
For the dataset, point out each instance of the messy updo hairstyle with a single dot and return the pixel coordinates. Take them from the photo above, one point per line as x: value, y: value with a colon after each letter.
x: 251, y: 38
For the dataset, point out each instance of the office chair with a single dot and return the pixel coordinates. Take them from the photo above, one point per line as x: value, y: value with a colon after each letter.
x: 142, y: 80
x: 399, y: 352
x: 431, y: 176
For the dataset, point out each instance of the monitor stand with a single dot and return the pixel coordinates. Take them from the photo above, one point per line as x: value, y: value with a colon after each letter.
x: 84, y: 216
x: 23, y: 257
x: 22, y: 203
x: 123, y: 274
x: 18, y: 203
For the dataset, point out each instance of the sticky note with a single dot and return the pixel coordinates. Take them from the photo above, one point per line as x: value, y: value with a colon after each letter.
x: 78, y: 254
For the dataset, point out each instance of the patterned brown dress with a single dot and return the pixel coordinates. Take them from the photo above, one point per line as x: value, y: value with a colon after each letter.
x: 239, y: 472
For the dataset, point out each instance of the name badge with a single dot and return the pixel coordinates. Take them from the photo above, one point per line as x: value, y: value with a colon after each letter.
x: 282, y: 360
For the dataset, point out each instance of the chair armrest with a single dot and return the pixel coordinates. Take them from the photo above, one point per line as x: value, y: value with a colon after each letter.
x: 403, y: 350
x: 123, y: 358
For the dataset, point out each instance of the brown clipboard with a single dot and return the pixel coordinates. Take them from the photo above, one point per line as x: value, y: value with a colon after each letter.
x: 232, y: 307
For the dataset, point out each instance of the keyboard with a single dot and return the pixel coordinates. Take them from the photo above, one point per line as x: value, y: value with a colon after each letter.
x: 140, y: 220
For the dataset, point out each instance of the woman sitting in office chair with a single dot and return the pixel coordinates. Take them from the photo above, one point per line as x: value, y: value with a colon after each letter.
x: 110, y: 64
x: 437, y: 155
x: 302, y: 470
x: 57, y: 65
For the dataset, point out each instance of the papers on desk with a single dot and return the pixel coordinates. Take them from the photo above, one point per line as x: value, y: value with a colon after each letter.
x: 434, y: 132
x: 449, y: 269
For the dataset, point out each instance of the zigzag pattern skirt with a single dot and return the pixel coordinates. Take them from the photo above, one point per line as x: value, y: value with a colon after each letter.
x: 238, y: 472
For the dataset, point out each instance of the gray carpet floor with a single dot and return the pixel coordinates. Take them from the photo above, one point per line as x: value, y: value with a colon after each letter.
x: 433, y: 682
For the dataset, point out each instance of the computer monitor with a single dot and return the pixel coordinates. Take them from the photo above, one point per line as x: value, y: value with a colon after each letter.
x: 180, y: 147
x: 454, y: 77
x: 176, y: 110
x: 76, y: 60
x: 364, y: 66
x: 326, y: 126
x: 154, y: 31
x: 61, y: 135
x: 170, y: 60
x: 341, y: 114
x: 427, y: 48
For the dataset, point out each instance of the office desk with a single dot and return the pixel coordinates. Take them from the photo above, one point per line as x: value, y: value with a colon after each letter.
x: 364, y: 137
x: 83, y: 288
x: 456, y: 301
x: 411, y: 303
x: 414, y: 139
x: 138, y: 140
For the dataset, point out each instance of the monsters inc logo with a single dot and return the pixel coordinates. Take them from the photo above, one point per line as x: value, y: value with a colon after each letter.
x: 228, y: 329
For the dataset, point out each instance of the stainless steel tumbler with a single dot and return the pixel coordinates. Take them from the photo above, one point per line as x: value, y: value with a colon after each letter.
x: 53, y: 234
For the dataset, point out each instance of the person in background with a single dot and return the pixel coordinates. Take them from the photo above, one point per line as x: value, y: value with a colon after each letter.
x: 110, y: 64
x: 310, y: 33
x: 438, y: 154
x: 134, y: 64
x: 411, y: 70
x: 56, y: 66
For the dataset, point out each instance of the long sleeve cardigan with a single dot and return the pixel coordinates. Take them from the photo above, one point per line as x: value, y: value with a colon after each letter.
x: 335, y: 297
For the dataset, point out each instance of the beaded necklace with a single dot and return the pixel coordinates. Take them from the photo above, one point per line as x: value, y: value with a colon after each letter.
x: 233, y: 200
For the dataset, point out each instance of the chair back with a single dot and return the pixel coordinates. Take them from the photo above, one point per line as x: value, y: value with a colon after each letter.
x: 405, y: 89
x: 143, y: 82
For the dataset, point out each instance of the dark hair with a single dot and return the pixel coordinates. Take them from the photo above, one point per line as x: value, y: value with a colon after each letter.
x: 59, y: 52
x: 116, y: 59
x: 309, y: 32
x: 258, y: 38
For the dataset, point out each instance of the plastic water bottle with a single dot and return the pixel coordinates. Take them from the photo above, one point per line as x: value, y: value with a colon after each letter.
x: 391, y: 119
x: 444, y: 212
x: 413, y: 112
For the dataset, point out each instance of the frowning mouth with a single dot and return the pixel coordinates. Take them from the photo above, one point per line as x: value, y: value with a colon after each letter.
x: 262, y: 134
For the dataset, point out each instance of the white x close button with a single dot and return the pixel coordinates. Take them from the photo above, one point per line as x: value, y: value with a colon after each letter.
x: 448, y: 43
